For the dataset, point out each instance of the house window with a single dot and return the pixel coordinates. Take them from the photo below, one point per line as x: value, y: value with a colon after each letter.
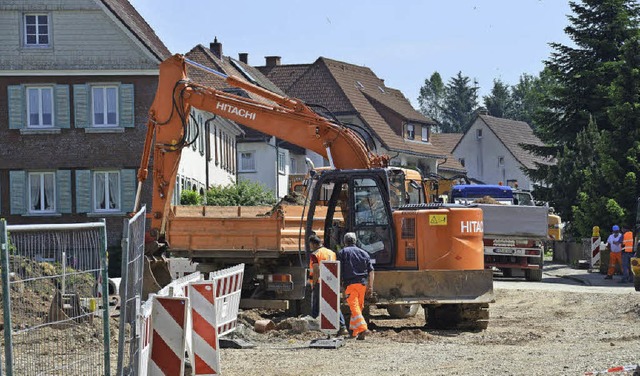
x: 36, y: 30
x: 40, y: 107
x: 106, y: 193
x: 410, y: 132
x: 461, y: 161
x: 501, y: 161
x: 478, y: 134
x: 425, y: 133
x: 247, y: 161
x: 294, y: 165
x: 281, y: 162
x: 42, y: 192
x: 201, y: 134
x: 105, y: 106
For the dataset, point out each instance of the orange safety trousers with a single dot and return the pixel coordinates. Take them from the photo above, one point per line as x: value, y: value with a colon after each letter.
x: 355, y: 298
x: 614, y: 258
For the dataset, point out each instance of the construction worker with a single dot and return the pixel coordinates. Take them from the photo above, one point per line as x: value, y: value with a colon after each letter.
x: 318, y: 254
x: 357, y: 279
x: 627, y: 253
x: 614, y: 244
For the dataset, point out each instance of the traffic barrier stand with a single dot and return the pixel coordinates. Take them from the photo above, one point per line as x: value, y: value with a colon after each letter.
x: 169, y: 318
x: 144, y: 328
x: 622, y: 370
x: 205, y: 345
x: 596, y: 243
x: 329, y: 284
x: 228, y: 286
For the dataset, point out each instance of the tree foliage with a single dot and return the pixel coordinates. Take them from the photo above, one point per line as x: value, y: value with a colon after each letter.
x: 460, y: 104
x: 589, y: 119
x: 431, y: 98
x: 499, y: 102
x: 243, y: 193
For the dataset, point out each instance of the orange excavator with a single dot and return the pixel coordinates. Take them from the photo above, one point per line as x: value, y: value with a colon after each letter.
x: 424, y: 254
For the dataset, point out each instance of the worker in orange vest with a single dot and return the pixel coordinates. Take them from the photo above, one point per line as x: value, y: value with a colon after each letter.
x: 627, y: 253
x: 614, y: 244
x: 356, y: 272
x: 320, y: 253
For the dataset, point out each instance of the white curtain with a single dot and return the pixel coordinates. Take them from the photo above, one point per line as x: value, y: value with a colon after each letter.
x: 113, y: 191
x: 34, y: 107
x: 98, y: 106
x: 49, y: 192
x: 100, y: 188
x: 34, y: 190
x: 47, y: 107
x: 111, y: 106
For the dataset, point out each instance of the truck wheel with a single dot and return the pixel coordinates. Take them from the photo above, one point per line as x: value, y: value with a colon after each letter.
x: 472, y: 316
x: 402, y: 311
x: 507, y: 272
x: 534, y: 275
x: 636, y: 282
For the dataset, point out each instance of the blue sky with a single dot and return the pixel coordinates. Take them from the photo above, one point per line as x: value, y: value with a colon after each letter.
x: 402, y: 41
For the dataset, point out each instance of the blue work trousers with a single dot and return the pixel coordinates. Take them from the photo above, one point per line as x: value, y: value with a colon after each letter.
x: 627, y: 274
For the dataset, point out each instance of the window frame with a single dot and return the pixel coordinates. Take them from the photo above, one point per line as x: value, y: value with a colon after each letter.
x: 37, y: 25
x: 500, y: 161
x: 104, y: 88
x: 479, y: 134
x: 241, y: 167
x: 282, y: 163
x: 411, y: 132
x: 94, y: 196
x: 42, y: 192
x: 425, y: 135
x: 40, y: 88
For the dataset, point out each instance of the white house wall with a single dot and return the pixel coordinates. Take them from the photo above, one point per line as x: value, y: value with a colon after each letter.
x: 266, y: 160
x: 481, y: 158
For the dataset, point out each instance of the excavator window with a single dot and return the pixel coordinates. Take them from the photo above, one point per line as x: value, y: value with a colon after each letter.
x: 372, y: 219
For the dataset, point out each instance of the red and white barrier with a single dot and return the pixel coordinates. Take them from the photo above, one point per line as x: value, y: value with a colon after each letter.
x: 596, y: 243
x: 228, y: 285
x: 206, y: 358
x: 329, y: 280
x: 618, y: 369
x: 168, y: 340
x: 144, y: 328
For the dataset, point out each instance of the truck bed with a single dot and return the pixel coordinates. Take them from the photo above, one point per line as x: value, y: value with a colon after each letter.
x: 515, y: 221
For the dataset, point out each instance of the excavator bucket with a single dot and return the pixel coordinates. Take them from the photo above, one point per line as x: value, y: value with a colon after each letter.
x: 155, y: 275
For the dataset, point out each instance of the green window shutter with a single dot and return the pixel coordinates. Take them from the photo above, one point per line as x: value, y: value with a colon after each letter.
x: 82, y: 107
x: 17, y: 107
x: 18, y: 191
x: 128, y: 187
x: 63, y: 190
x: 126, y: 106
x: 83, y: 191
x: 63, y: 113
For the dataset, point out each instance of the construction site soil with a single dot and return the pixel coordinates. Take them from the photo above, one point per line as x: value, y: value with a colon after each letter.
x: 531, y: 332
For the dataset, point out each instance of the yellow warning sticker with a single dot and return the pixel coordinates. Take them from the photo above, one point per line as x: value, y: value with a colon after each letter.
x: 437, y: 219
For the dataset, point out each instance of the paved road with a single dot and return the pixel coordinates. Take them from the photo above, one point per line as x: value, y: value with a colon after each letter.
x: 559, y: 277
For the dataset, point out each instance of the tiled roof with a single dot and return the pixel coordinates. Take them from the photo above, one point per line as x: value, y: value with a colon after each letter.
x: 512, y: 134
x: 447, y: 142
x: 130, y: 17
x: 350, y: 89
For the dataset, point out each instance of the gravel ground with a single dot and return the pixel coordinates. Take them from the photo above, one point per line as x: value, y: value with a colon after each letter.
x: 531, y: 332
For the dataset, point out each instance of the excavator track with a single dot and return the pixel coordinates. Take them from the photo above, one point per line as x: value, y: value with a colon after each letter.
x: 473, y: 316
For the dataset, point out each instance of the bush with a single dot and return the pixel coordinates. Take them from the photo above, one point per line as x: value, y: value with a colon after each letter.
x: 189, y: 197
x: 243, y: 193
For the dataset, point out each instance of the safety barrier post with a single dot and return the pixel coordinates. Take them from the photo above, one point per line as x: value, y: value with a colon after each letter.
x: 168, y: 339
x: 596, y: 241
x: 206, y: 357
x: 329, y: 281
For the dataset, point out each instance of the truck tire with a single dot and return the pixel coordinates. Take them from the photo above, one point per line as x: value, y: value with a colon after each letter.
x: 636, y: 282
x: 507, y: 272
x: 472, y: 316
x: 402, y: 311
x: 534, y: 275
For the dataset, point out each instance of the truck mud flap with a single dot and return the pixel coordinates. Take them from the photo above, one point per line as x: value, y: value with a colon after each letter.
x: 433, y: 286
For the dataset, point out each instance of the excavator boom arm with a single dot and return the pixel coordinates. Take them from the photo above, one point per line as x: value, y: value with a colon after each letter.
x: 285, y: 118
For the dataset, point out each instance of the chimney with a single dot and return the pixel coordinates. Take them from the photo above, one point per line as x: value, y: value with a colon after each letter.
x: 272, y: 61
x: 243, y: 57
x: 216, y: 47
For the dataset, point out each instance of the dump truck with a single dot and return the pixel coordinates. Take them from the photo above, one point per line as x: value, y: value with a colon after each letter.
x: 514, y: 235
x: 428, y: 255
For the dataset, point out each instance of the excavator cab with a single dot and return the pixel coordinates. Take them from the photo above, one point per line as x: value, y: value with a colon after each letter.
x: 358, y: 201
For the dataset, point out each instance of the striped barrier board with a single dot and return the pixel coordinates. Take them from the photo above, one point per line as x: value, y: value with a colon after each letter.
x: 618, y: 370
x: 144, y: 329
x: 595, y: 250
x: 329, y: 279
x: 206, y: 357
x: 168, y: 340
x: 228, y: 288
